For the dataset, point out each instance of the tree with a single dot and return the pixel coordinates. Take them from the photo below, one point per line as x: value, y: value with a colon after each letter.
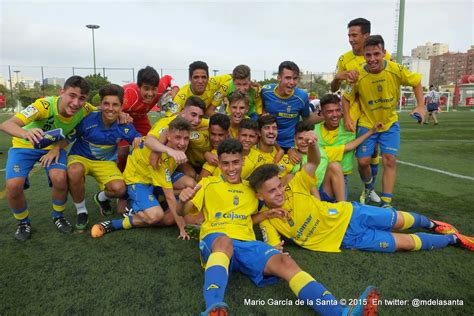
x: 96, y: 82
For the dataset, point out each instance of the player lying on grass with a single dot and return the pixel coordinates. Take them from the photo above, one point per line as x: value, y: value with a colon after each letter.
x: 28, y: 129
x: 323, y: 226
x: 142, y: 179
x: 227, y: 240
x: 94, y: 153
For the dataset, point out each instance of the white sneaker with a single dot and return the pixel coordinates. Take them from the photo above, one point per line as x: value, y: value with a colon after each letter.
x: 373, y: 196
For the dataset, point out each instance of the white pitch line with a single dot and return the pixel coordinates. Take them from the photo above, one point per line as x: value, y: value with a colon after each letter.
x: 460, y: 176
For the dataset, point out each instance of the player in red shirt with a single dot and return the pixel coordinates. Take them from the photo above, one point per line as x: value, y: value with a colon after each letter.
x: 139, y: 99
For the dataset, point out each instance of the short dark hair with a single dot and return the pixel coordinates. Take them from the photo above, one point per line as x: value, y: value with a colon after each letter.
x: 179, y: 124
x: 198, y: 65
x: 329, y: 99
x: 261, y: 174
x: 374, y: 40
x: 241, y: 72
x: 195, y: 101
x: 266, y: 119
x: 363, y: 23
x: 149, y: 76
x: 289, y: 65
x: 111, y: 89
x: 303, y: 126
x: 239, y: 96
x: 221, y: 120
x: 230, y: 146
x: 248, y: 124
x: 78, y: 82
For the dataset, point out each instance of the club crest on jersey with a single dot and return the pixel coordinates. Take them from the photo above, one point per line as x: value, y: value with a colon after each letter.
x: 126, y: 130
x: 151, y: 197
x: 288, y: 109
x: 290, y: 222
x: 379, y: 88
x: 194, y: 135
x: 236, y: 200
x: 30, y: 110
x: 16, y: 168
x: 167, y: 175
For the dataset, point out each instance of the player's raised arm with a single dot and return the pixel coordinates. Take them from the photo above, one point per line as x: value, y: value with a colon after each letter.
x: 314, y: 156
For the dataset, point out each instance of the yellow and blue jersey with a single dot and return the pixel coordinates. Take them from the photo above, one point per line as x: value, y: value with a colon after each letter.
x: 44, y: 114
x: 95, y: 141
x: 227, y: 208
x: 351, y: 61
x: 139, y: 170
x: 287, y: 111
x: 228, y: 88
x: 315, y: 225
x: 378, y: 94
x: 208, y: 96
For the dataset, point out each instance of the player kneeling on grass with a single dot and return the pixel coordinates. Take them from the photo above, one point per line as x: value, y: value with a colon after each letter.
x: 94, y: 153
x: 142, y: 179
x: 323, y: 226
x: 227, y: 240
x: 31, y: 143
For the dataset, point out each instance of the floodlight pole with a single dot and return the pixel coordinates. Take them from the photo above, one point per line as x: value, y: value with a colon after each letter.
x: 93, y: 27
x: 401, y: 22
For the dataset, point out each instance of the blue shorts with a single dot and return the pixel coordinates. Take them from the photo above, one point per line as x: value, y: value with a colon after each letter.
x: 389, y: 141
x: 141, y: 196
x: 324, y: 196
x: 250, y: 258
x: 21, y: 160
x: 369, y: 229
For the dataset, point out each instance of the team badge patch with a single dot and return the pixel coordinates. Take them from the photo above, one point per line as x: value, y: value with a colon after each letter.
x: 167, y: 175
x: 379, y: 88
x: 126, y: 130
x: 194, y: 135
x: 383, y: 245
x: 151, y: 197
x: 290, y: 222
x: 29, y: 111
x: 236, y: 200
x: 16, y: 168
x: 288, y: 109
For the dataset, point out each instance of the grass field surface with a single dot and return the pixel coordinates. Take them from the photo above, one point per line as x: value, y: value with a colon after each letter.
x: 150, y: 271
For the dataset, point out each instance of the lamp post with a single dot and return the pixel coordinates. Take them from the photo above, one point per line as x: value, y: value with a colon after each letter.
x: 17, y: 81
x: 215, y: 71
x: 93, y: 27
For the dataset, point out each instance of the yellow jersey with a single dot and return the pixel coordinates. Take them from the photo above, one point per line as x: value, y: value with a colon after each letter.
x: 227, y: 208
x: 44, y: 114
x: 378, y: 94
x: 314, y: 225
x: 185, y: 92
x: 351, y: 61
x: 139, y: 170
x: 198, y: 139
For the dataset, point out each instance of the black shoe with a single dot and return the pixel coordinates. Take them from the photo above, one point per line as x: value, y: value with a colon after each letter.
x: 23, y: 232
x: 63, y: 225
x: 105, y: 207
x: 82, y: 221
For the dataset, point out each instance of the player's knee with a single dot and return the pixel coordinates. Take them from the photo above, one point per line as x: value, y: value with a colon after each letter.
x: 389, y: 161
x: 153, y: 216
x: 364, y: 162
x: 14, y: 187
x: 75, y: 172
x: 335, y: 168
x: 58, y: 179
x: 184, y: 182
x: 116, y: 189
x: 223, y: 244
x: 288, y: 263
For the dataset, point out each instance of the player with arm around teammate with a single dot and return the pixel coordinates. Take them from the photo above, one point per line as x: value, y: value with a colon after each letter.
x: 227, y: 240
x: 28, y: 129
x: 94, y: 153
x: 328, y: 227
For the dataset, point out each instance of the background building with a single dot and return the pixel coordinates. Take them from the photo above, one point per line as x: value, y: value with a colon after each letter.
x: 429, y: 49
